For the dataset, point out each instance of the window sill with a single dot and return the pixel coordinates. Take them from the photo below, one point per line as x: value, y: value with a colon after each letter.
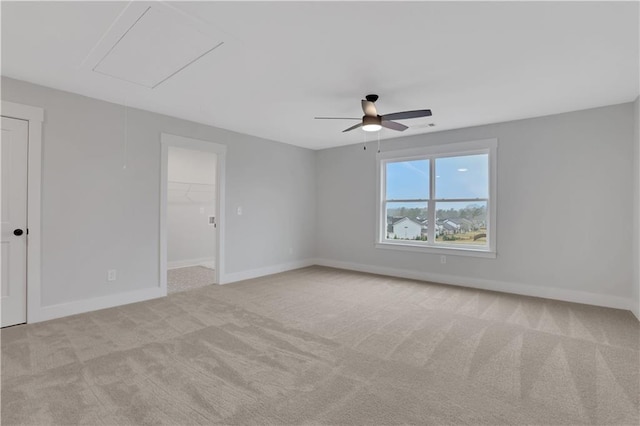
x: 451, y: 251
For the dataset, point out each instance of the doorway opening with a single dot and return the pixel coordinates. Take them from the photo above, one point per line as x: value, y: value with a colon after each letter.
x: 191, y: 219
x: 191, y: 222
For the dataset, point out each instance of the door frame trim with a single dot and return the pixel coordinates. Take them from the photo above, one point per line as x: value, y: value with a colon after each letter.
x: 168, y: 140
x: 35, y: 117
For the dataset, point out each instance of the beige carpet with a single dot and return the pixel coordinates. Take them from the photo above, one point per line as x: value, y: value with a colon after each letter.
x: 324, y: 346
x: 189, y: 278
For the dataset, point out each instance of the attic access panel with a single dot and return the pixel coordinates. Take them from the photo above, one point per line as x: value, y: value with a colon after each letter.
x: 157, y: 45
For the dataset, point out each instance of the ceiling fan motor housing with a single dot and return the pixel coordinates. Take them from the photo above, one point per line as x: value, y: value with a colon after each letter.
x: 368, y: 119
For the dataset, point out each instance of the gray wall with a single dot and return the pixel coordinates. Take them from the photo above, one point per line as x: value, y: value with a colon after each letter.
x: 636, y: 208
x: 565, y: 217
x: 564, y: 212
x: 97, y: 215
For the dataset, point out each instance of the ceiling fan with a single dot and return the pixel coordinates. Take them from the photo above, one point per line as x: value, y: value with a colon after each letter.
x: 372, y: 122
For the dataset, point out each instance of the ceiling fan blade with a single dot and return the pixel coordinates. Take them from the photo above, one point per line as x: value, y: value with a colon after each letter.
x: 352, y: 127
x: 393, y: 125
x: 369, y: 108
x: 407, y: 114
x: 337, y: 118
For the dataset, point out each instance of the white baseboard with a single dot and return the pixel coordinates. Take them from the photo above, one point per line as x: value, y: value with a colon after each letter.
x: 635, y: 308
x: 81, y: 306
x: 205, y: 261
x: 94, y: 304
x: 269, y: 270
x: 97, y: 303
x: 484, y: 284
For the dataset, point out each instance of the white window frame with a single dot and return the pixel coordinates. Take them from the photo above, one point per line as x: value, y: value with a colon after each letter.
x: 485, y: 146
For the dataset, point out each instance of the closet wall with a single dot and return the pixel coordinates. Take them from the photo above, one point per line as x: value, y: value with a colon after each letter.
x: 190, y: 203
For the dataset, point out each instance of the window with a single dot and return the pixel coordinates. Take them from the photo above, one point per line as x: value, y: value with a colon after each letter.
x: 439, y: 199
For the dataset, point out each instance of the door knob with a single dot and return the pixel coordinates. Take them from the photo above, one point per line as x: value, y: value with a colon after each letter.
x: 18, y: 232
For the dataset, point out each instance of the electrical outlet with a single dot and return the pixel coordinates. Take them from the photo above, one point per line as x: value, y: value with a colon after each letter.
x: 290, y: 250
x: 443, y: 259
x: 111, y: 275
x: 201, y: 210
x: 239, y: 210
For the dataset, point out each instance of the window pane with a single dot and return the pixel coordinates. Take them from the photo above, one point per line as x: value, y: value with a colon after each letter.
x: 462, y: 177
x: 408, y: 180
x: 406, y: 221
x: 461, y: 223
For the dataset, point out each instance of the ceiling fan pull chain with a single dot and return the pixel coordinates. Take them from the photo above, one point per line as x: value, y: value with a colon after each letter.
x: 378, y: 142
x: 364, y: 137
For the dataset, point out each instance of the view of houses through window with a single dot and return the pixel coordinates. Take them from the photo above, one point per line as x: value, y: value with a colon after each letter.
x: 456, y: 201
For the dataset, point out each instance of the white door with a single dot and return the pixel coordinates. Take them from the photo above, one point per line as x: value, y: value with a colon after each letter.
x: 14, y: 221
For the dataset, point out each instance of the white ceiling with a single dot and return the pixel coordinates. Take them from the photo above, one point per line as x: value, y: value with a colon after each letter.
x: 283, y: 63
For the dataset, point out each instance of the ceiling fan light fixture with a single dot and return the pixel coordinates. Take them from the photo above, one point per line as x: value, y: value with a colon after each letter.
x: 371, y: 127
x: 371, y: 124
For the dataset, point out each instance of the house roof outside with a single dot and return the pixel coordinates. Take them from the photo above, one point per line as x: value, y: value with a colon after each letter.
x: 460, y: 221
